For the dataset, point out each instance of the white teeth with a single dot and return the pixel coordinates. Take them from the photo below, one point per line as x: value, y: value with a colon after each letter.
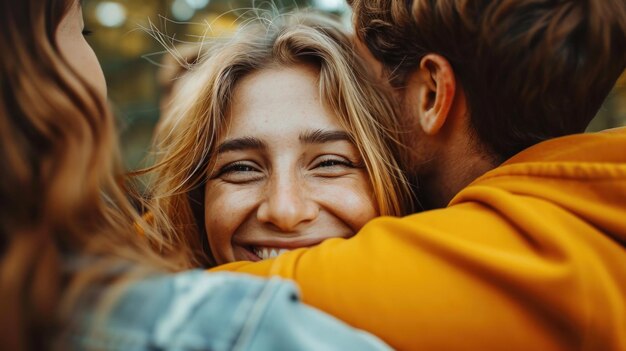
x: 268, y: 252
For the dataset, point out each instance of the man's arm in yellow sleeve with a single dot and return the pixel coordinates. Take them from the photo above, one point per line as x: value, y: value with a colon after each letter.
x: 461, y: 278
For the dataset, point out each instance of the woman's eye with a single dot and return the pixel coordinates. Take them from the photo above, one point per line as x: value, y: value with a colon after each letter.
x: 87, y: 32
x: 239, y: 168
x: 333, y: 163
x: 239, y: 173
x: 333, y: 166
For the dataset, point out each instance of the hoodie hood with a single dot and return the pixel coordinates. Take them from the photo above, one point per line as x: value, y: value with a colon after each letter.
x: 582, y: 174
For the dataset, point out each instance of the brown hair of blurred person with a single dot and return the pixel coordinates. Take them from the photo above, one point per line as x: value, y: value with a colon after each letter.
x: 523, y: 83
x: 60, y: 197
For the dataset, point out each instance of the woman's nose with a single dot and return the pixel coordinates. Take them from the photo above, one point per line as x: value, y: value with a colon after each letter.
x: 287, y: 205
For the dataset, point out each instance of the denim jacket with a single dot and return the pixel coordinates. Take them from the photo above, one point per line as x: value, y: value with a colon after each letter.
x: 218, y: 311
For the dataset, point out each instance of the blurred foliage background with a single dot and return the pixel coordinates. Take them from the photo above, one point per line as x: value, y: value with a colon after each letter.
x: 131, y: 58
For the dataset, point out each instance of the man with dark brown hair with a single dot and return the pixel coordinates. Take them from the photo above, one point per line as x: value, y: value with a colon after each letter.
x: 529, y: 252
x: 483, y: 80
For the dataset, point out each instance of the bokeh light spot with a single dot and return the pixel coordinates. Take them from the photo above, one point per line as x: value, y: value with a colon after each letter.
x: 331, y: 5
x: 182, y: 11
x: 197, y: 4
x: 111, y: 14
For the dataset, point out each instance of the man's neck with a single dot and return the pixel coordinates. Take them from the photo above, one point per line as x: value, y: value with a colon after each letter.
x: 454, y: 170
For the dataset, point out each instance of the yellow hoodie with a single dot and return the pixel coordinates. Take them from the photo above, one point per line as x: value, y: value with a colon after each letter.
x: 530, y: 256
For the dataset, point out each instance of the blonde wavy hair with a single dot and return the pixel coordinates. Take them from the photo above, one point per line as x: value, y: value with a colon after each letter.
x: 185, y: 140
x: 61, y: 198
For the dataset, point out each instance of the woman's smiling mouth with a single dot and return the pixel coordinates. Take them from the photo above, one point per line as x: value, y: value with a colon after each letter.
x: 268, y: 249
x: 268, y: 252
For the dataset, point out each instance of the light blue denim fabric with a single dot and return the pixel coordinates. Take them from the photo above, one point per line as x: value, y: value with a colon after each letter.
x: 221, y: 311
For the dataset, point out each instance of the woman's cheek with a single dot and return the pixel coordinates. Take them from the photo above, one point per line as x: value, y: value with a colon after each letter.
x: 227, y: 207
x: 351, y: 199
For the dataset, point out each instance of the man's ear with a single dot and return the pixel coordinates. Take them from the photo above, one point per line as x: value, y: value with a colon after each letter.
x: 433, y: 88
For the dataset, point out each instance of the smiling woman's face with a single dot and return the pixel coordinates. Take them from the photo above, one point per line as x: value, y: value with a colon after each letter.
x: 287, y: 174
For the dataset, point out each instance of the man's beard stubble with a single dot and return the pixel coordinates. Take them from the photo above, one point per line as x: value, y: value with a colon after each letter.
x: 418, y: 158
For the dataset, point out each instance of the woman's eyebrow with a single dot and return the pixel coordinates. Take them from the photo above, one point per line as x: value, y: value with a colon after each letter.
x: 238, y: 144
x: 321, y: 136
